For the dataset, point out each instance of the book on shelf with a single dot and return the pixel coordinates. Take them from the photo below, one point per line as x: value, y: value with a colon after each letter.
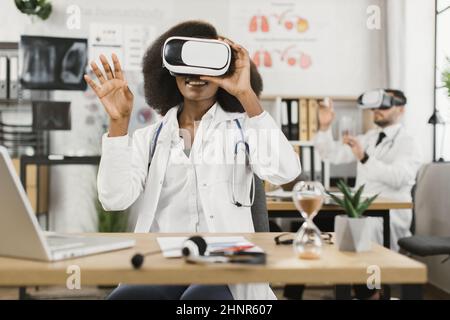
x: 293, y: 125
x: 284, y: 118
x: 303, y: 121
x: 298, y: 117
x: 313, y: 107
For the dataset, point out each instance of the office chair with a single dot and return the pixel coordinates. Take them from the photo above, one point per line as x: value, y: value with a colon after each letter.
x: 425, y: 246
x: 259, y: 208
x: 430, y: 205
x: 413, y: 220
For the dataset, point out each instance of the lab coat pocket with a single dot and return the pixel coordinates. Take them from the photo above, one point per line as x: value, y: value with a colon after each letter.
x: 225, y: 215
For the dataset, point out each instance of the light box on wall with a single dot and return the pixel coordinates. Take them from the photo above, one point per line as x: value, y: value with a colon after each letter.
x: 51, y: 115
x: 50, y: 63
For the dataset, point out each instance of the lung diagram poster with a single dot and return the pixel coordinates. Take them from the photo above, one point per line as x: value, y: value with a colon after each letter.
x: 283, y: 40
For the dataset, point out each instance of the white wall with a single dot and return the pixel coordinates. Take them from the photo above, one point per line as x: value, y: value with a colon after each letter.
x: 418, y: 71
x: 443, y: 96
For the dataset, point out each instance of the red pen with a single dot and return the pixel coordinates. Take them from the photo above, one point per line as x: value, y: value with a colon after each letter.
x: 234, y: 249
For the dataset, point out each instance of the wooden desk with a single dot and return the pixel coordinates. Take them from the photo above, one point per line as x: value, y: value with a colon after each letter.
x: 378, y: 204
x: 379, y: 208
x: 283, y: 266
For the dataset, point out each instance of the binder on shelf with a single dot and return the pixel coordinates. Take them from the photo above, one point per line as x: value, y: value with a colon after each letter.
x: 284, y: 118
x: 298, y: 150
x: 294, y: 133
x: 303, y: 121
x: 3, y: 77
x: 305, y: 158
x: 313, y: 107
x: 274, y: 109
x: 13, y: 77
x: 318, y: 174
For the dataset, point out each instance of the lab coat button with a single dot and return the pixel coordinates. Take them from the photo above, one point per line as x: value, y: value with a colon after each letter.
x: 204, y: 185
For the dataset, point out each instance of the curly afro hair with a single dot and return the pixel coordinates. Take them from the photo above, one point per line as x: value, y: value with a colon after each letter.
x: 160, y: 87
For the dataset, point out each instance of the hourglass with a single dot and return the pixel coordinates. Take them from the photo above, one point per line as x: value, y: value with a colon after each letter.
x: 308, y: 198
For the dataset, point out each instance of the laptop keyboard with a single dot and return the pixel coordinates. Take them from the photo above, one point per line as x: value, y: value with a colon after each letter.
x: 63, y: 243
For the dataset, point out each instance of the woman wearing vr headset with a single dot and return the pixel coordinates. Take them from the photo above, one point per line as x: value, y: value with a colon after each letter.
x: 388, y: 158
x: 180, y: 173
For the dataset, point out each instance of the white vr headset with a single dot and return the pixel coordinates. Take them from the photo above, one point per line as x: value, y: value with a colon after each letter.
x: 196, y: 56
x: 379, y: 99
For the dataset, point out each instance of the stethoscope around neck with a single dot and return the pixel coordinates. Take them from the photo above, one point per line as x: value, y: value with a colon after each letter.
x: 237, y: 145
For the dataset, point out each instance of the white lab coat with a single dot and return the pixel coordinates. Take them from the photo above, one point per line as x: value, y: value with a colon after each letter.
x: 390, y: 171
x: 122, y: 177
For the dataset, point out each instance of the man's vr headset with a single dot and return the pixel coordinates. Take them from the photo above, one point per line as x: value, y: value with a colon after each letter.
x: 196, y: 56
x: 379, y: 99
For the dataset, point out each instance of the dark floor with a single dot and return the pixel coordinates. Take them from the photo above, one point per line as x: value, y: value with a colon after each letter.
x: 93, y: 293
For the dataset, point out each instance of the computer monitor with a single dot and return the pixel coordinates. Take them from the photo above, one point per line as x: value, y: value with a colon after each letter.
x: 50, y: 63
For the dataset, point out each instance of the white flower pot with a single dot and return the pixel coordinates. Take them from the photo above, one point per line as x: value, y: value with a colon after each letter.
x: 352, y: 234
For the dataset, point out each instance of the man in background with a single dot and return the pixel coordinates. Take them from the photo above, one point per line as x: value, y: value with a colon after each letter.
x: 388, y: 157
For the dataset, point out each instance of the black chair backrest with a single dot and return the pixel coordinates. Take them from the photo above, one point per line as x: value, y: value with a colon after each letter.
x: 413, y: 220
x: 259, y: 208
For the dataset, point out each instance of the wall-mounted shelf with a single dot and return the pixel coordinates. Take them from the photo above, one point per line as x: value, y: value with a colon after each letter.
x: 301, y: 143
x: 15, y: 101
x: 16, y: 131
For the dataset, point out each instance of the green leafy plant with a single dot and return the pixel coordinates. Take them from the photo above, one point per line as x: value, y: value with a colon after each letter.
x: 352, y: 202
x: 446, y: 77
x: 111, y: 221
x: 40, y: 8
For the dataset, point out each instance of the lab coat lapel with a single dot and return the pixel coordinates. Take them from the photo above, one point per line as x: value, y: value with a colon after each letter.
x: 221, y: 116
x: 155, y: 176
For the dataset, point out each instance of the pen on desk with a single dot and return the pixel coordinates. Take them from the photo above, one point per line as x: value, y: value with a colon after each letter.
x: 233, y: 249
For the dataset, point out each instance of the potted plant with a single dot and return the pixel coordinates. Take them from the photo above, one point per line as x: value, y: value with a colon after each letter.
x: 352, y: 230
x: 111, y: 221
x: 446, y: 77
x: 38, y: 8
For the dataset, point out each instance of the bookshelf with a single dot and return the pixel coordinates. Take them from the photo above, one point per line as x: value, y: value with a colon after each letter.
x: 300, y: 126
x: 16, y: 128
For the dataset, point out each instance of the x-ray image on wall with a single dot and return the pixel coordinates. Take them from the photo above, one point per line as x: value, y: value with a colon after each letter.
x: 50, y: 63
x: 51, y: 115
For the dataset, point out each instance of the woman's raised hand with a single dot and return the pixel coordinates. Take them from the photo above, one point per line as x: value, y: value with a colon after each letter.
x: 239, y: 82
x: 113, y: 90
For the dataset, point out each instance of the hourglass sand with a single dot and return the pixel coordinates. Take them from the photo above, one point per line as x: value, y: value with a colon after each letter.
x: 308, y: 198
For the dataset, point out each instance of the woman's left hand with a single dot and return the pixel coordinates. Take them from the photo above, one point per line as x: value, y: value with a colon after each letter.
x: 238, y: 83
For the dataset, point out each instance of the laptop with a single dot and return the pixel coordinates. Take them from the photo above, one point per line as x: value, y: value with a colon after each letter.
x: 21, y: 235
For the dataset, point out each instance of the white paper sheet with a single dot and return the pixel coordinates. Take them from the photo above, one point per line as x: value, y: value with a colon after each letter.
x: 279, y: 193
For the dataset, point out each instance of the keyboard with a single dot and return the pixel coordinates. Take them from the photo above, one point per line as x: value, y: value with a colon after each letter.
x: 63, y: 243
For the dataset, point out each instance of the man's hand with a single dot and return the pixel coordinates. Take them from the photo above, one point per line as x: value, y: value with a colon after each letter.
x: 326, y: 115
x: 353, y: 143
